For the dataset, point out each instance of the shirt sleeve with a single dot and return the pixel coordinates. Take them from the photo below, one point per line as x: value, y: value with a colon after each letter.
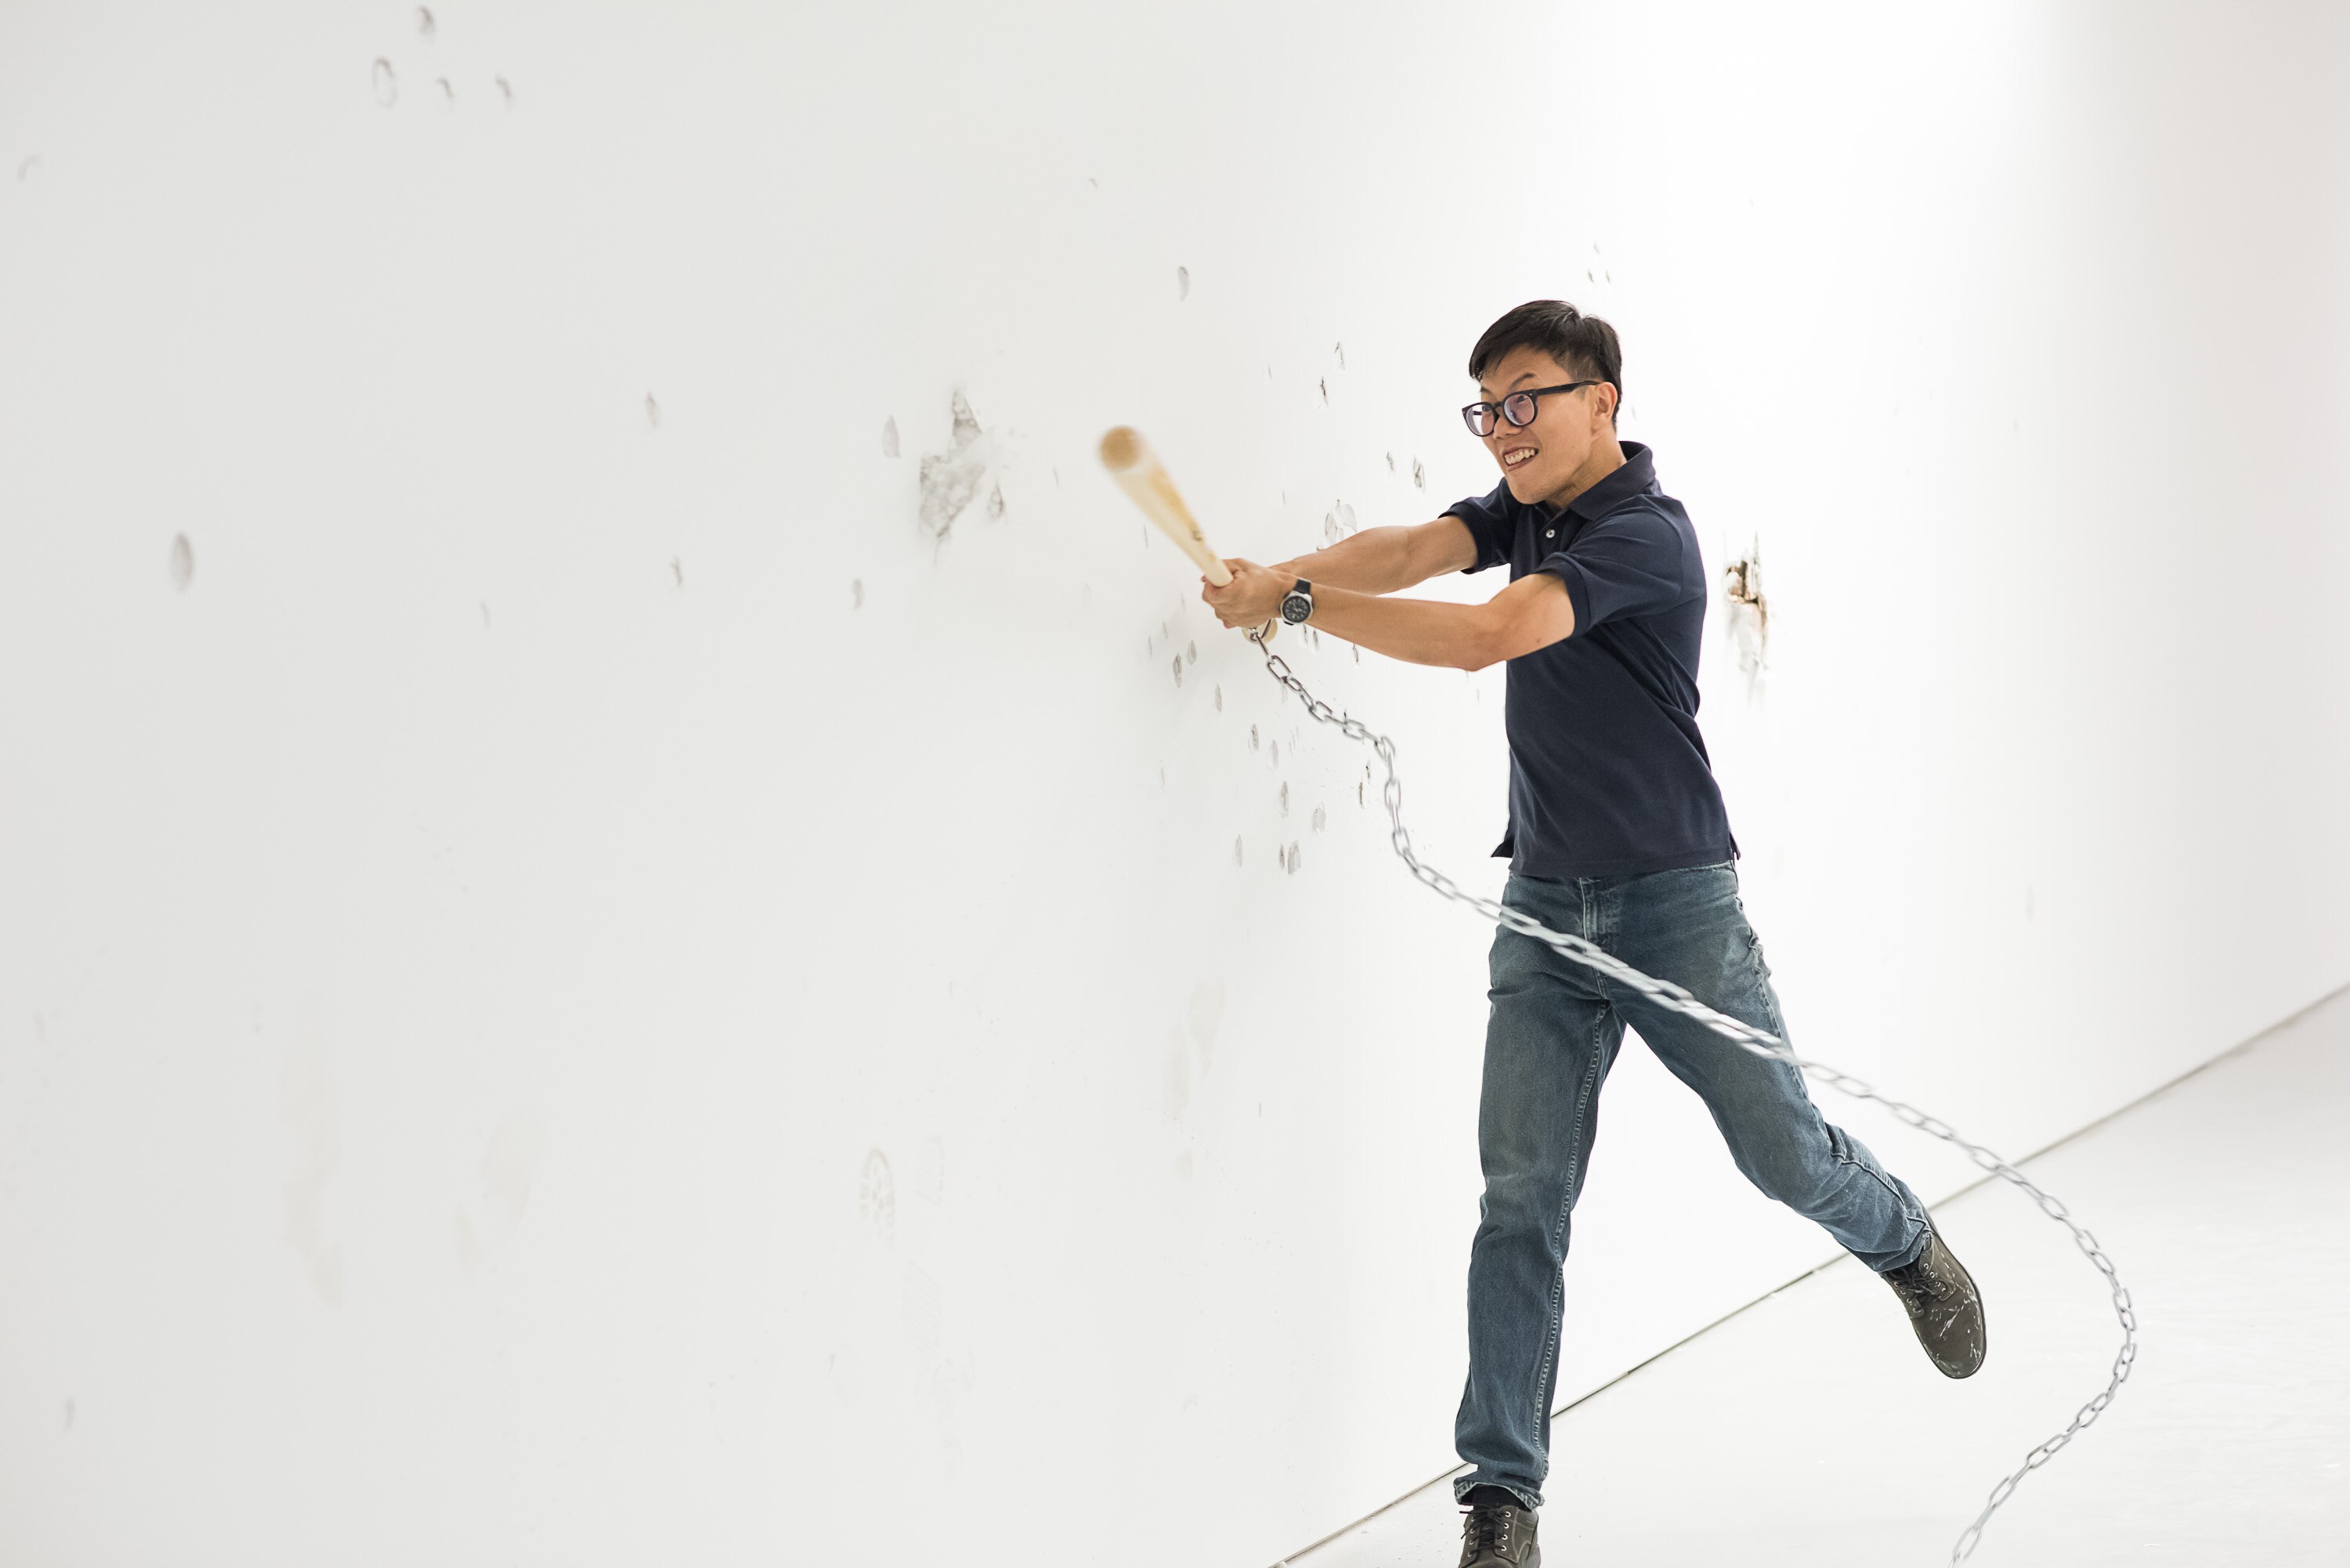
x: 1489, y: 526
x: 1628, y: 565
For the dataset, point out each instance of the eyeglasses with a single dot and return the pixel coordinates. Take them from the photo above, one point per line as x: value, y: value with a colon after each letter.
x: 1518, y: 408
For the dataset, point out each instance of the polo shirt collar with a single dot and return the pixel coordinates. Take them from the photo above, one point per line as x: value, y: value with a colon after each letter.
x: 1635, y: 477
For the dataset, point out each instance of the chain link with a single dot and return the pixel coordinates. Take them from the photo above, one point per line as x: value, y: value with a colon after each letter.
x: 1762, y: 1042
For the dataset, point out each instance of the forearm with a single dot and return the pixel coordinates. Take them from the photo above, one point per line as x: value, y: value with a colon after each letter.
x: 1419, y: 631
x: 1375, y: 561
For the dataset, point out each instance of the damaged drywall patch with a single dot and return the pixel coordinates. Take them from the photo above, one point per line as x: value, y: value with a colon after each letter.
x: 951, y: 479
x: 1749, y: 614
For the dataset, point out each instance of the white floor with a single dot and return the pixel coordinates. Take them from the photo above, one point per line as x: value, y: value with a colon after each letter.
x: 1796, y: 1432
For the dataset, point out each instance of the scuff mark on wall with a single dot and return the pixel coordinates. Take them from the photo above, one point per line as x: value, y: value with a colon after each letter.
x: 1749, y: 614
x: 950, y: 479
x: 182, y: 565
x: 386, y: 83
x: 877, y: 1195
x: 508, y: 1170
x: 1419, y: 475
x: 1175, y: 1083
x: 306, y: 1102
x: 652, y: 411
x: 1206, y: 1015
x: 890, y: 436
x: 1182, y: 283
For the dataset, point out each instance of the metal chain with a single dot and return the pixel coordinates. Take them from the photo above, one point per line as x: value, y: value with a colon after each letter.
x: 1674, y: 998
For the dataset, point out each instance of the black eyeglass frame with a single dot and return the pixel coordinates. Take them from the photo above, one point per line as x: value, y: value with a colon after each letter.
x: 1470, y: 413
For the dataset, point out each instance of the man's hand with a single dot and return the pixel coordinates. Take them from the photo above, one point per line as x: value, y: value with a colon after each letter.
x: 1252, y: 597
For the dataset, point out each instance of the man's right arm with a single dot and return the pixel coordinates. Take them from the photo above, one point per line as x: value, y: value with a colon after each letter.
x: 1382, y: 560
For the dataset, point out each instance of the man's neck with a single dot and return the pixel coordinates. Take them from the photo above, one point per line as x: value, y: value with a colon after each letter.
x: 1607, y: 457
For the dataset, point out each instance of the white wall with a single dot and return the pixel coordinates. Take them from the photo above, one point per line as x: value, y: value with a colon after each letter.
x: 472, y: 950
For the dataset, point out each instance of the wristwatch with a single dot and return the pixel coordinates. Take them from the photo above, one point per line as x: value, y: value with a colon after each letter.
x: 1297, y: 603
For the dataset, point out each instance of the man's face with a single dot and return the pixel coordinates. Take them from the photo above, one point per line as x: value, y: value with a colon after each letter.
x: 1538, y: 459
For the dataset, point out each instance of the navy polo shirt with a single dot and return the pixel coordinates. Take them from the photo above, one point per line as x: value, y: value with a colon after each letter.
x: 1608, y: 775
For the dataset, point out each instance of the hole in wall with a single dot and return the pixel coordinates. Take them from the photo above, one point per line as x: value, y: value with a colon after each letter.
x: 950, y: 479
x: 1748, y: 613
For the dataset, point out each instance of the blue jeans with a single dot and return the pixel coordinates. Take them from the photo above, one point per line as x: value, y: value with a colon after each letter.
x: 1551, y: 1036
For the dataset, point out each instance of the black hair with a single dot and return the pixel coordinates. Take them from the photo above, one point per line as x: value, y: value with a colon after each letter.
x: 1584, y: 345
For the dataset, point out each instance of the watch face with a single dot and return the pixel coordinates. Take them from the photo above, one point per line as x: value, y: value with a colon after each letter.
x: 1295, y: 608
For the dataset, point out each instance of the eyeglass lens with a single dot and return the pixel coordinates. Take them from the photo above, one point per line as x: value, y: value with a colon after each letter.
x: 1518, y: 408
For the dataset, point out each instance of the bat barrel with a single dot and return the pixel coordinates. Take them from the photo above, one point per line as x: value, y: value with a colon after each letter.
x: 1147, y: 482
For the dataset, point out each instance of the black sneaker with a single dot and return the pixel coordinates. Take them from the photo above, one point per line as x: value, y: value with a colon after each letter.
x: 1943, y: 1307
x: 1499, y: 1538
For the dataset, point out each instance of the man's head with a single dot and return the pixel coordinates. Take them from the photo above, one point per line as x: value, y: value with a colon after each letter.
x: 1569, y: 441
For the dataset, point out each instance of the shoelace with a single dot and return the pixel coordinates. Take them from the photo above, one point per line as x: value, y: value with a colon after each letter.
x: 1489, y: 1529
x: 1922, y: 1291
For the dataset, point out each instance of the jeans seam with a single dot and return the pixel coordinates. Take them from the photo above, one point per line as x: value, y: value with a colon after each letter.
x: 1543, y: 1367
x: 1778, y: 1027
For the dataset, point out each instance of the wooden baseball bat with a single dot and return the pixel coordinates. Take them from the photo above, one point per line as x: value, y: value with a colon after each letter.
x: 1145, y: 480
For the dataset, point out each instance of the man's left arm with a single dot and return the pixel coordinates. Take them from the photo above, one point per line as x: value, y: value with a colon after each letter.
x: 1532, y: 613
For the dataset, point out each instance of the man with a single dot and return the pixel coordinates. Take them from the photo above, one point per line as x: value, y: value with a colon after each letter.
x: 1617, y: 834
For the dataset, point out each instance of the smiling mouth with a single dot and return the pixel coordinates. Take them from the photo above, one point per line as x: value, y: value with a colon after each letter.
x: 1517, y: 456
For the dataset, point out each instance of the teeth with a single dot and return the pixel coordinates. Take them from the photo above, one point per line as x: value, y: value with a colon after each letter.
x: 1514, y: 458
